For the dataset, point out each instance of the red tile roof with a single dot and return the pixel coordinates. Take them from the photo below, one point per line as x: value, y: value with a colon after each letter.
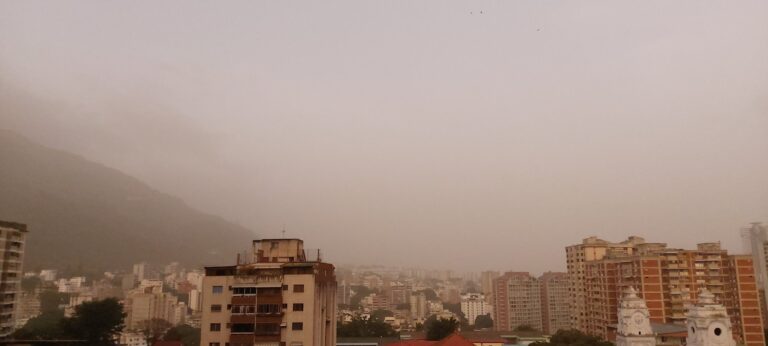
x: 454, y: 340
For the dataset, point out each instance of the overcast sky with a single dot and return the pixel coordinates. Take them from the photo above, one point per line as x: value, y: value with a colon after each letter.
x: 448, y: 134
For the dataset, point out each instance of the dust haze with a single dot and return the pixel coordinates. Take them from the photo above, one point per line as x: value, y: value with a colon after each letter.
x: 413, y: 133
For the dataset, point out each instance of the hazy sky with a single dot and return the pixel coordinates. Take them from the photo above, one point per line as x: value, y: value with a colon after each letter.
x: 413, y: 132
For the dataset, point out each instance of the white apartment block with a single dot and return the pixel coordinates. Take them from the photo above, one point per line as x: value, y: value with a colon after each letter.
x: 473, y: 305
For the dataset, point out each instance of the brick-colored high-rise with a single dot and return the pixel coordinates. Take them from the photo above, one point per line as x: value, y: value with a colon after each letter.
x: 554, y: 302
x: 577, y: 256
x: 669, y: 281
x: 517, y: 301
x: 280, y: 296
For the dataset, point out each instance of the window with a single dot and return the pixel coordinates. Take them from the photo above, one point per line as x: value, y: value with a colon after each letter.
x: 285, y: 287
x: 215, y: 308
x: 297, y: 326
x: 274, y: 245
x: 218, y: 289
x: 214, y: 344
x: 267, y: 329
x: 244, y: 291
x: 268, y: 309
x: 298, y: 288
x: 269, y: 291
x: 298, y: 307
x: 215, y: 327
x: 242, y: 328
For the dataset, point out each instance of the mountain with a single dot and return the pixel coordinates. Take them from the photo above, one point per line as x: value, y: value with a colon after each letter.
x: 85, y: 215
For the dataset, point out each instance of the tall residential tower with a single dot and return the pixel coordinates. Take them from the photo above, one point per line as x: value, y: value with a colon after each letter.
x: 517, y: 301
x: 12, y: 239
x: 281, y: 294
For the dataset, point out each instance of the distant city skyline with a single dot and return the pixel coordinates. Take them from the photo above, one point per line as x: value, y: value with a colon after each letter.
x: 412, y: 132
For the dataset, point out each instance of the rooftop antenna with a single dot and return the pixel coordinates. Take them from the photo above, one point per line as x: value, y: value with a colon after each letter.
x: 283, y: 231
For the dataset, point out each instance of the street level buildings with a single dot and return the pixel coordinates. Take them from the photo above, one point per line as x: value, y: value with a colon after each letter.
x: 12, y: 240
x: 281, y: 294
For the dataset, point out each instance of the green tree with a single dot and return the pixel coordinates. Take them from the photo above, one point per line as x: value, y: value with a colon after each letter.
x: 189, y: 336
x: 456, y: 309
x: 98, y: 322
x: 52, y: 300
x: 46, y: 326
x: 379, y: 315
x: 483, y: 321
x: 360, y: 327
x: 438, y: 329
x: 573, y: 337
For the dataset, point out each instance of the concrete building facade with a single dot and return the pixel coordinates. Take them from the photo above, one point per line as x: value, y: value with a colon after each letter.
x: 554, y: 302
x: 12, y: 239
x: 668, y: 280
x: 755, y: 242
x: 281, y: 295
x: 517, y: 301
x: 591, y: 249
x: 473, y: 305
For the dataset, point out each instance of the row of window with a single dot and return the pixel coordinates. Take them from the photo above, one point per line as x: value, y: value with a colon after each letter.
x: 244, y: 291
x: 257, y: 328
x: 260, y: 308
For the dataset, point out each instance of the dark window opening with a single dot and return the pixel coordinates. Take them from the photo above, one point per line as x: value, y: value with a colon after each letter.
x: 243, y: 291
x: 267, y: 329
x: 242, y: 328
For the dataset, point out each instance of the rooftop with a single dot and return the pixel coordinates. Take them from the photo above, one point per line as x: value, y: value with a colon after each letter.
x: 15, y: 225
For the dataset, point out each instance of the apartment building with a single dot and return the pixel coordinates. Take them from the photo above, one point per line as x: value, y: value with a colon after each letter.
x: 343, y: 293
x: 554, y: 302
x: 669, y: 281
x: 755, y: 242
x: 150, y: 302
x: 399, y: 293
x: 486, y: 285
x: 12, y: 239
x: 473, y: 305
x: 281, y: 294
x: 517, y: 301
x: 419, y: 309
x: 577, y: 256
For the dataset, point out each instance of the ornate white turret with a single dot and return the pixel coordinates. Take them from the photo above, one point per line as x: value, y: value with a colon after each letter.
x: 634, y: 328
x: 708, y: 323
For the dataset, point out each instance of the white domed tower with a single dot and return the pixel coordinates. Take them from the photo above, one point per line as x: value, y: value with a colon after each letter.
x: 634, y: 328
x: 708, y: 323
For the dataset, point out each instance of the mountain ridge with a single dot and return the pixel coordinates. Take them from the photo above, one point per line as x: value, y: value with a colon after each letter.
x: 65, y: 199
